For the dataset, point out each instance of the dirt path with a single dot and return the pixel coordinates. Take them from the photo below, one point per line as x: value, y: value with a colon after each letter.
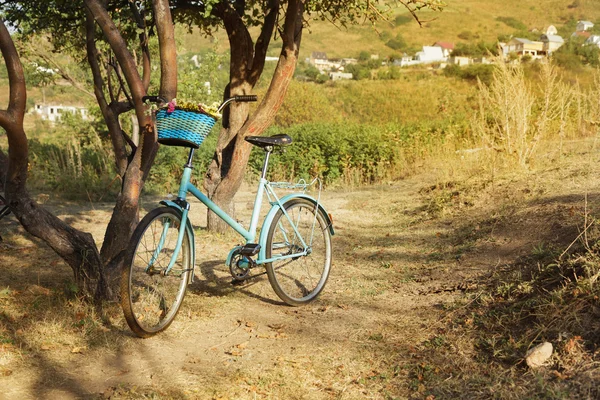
x: 400, y: 263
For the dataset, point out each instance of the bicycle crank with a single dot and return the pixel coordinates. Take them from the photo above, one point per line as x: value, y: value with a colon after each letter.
x: 240, y: 267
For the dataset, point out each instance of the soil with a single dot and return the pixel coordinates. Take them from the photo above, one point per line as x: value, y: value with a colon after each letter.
x: 404, y: 254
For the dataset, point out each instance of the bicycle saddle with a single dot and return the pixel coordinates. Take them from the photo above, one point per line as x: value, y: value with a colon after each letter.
x: 275, y: 140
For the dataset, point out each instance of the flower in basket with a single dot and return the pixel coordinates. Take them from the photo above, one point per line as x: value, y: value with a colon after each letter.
x: 171, y: 106
x: 211, y: 110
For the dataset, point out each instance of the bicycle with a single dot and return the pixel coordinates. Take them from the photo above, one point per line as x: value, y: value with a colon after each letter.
x: 294, y: 245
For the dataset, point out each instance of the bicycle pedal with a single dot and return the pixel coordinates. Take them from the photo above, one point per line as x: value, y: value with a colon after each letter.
x: 250, y: 249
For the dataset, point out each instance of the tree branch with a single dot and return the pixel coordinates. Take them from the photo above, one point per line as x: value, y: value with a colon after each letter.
x: 141, y: 23
x: 262, y: 43
x: 167, y: 47
x: 16, y: 78
x: 110, y: 116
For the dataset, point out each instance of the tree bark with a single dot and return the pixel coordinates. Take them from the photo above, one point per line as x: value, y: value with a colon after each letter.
x: 125, y: 213
x: 77, y: 248
x: 227, y: 168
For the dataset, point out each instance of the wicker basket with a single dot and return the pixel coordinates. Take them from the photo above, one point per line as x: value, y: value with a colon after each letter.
x: 183, y: 128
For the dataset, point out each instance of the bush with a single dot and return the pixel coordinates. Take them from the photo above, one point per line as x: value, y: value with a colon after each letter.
x: 483, y: 72
x: 403, y: 19
x: 513, y: 23
x: 353, y: 154
x: 398, y: 43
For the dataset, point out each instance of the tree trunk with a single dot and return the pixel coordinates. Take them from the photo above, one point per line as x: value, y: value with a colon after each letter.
x: 226, y: 171
x: 77, y: 248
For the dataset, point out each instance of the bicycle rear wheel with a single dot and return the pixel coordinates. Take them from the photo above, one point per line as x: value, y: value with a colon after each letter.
x: 151, y: 300
x: 299, y: 280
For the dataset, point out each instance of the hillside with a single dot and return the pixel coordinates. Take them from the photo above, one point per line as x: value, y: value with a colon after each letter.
x: 461, y: 21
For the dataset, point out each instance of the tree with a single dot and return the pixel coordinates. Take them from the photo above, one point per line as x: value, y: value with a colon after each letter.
x: 114, y: 36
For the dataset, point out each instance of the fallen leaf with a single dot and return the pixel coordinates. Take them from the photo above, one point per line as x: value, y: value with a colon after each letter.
x: 78, y: 350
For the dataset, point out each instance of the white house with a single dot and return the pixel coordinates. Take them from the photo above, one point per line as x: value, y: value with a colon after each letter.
x: 551, y: 30
x: 337, y: 76
x: 584, y: 26
x: 593, y: 40
x: 430, y: 54
x: 551, y: 43
x: 459, y: 60
x: 54, y: 112
x: 319, y: 60
x: 447, y: 48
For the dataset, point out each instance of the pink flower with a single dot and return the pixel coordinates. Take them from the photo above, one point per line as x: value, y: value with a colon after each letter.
x: 171, y: 107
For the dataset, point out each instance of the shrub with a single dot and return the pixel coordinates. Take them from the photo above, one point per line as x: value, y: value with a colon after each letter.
x: 513, y: 23
x: 403, y: 19
x: 353, y: 153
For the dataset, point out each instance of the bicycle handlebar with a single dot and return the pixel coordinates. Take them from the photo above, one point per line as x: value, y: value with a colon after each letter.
x: 241, y: 99
x: 153, y: 99
x: 246, y: 98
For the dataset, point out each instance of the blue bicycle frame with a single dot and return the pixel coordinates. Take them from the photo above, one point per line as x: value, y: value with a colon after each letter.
x: 249, y: 234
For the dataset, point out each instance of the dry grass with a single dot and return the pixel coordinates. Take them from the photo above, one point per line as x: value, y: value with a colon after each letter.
x: 439, y: 287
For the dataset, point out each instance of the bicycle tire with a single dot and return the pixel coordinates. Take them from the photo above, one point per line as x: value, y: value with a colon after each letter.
x: 299, y: 280
x: 151, y: 300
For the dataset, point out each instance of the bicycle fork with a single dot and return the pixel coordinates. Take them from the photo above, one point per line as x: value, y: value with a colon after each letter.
x: 180, y: 234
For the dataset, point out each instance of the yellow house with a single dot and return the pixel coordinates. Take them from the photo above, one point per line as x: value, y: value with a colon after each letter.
x: 522, y: 46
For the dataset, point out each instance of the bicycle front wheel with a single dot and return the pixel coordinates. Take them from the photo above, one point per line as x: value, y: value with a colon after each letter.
x: 299, y: 280
x: 149, y: 298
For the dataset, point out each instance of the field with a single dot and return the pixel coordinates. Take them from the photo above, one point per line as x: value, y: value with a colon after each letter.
x: 426, y: 301
x: 466, y: 219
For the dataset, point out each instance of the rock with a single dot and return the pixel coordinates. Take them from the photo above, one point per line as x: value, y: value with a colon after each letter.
x: 537, y: 356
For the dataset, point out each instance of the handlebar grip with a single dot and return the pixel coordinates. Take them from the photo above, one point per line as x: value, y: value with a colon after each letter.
x: 153, y: 99
x: 247, y: 98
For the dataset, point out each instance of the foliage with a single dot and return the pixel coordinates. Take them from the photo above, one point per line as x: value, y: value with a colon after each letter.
x: 76, y: 164
x: 353, y: 153
x: 513, y: 116
x: 397, y: 43
x: 403, y: 19
x: 574, y: 54
x: 479, y: 49
x: 468, y: 35
x: 473, y: 72
x: 513, y: 23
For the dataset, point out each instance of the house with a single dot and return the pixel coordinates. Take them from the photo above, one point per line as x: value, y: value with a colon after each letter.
x: 459, y: 60
x: 551, y: 43
x: 593, y: 40
x: 337, y: 76
x: 447, y: 48
x: 319, y: 60
x: 430, y: 54
x: 582, y: 34
x: 405, y: 61
x: 522, y: 47
x: 551, y: 30
x: 53, y: 112
x: 583, y: 26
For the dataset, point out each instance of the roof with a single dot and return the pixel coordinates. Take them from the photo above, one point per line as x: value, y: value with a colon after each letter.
x: 319, y: 54
x: 445, y: 45
x: 585, y: 22
x: 553, y: 38
x: 584, y: 34
x: 522, y: 40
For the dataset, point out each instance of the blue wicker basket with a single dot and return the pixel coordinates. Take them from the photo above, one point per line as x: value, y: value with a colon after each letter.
x: 183, y: 128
